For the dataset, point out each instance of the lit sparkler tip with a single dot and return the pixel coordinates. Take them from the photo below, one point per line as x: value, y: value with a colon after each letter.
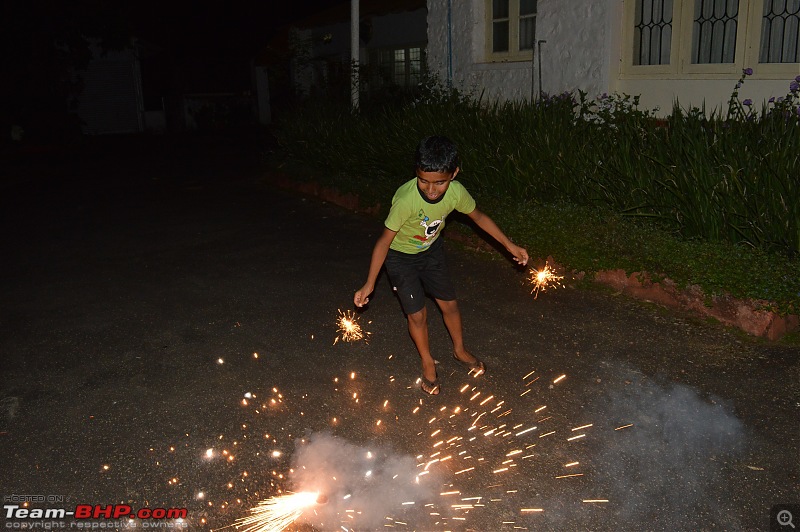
x: 348, y: 328
x: 541, y: 279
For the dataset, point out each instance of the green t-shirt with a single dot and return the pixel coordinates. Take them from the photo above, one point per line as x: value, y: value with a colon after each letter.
x: 417, y: 221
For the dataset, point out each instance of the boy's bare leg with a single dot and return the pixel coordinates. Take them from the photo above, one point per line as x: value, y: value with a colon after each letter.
x: 418, y: 329
x: 452, y: 320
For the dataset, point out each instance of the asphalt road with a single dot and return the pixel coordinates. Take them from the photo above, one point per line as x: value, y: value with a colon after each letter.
x: 167, y: 331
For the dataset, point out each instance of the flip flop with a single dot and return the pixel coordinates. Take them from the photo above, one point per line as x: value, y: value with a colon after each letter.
x: 478, y: 368
x: 429, y: 387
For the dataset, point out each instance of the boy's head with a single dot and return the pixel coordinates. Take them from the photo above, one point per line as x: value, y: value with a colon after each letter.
x: 436, y: 162
x: 436, y: 154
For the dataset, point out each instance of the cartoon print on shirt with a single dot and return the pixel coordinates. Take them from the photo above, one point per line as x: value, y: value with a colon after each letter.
x: 430, y: 228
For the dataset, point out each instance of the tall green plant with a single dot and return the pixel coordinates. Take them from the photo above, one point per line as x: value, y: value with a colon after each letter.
x: 731, y: 178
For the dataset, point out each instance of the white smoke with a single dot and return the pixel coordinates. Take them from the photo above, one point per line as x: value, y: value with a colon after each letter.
x: 364, y: 485
x: 669, y: 467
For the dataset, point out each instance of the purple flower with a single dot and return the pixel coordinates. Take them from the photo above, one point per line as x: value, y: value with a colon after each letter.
x: 797, y: 79
x: 739, y: 85
x: 748, y: 102
x: 780, y: 99
x: 794, y: 86
x: 748, y: 71
x: 771, y: 100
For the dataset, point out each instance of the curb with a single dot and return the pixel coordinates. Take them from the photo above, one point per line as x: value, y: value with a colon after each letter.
x: 744, y: 314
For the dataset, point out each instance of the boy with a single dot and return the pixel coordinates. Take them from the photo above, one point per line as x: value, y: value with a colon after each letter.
x: 413, y: 253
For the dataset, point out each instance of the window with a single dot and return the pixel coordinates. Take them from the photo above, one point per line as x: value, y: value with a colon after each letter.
x: 511, y: 29
x: 712, y: 37
x: 401, y: 67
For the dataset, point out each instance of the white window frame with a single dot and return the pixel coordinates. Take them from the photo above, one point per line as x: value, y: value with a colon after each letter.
x: 513, y: 53
x: 748, y: 42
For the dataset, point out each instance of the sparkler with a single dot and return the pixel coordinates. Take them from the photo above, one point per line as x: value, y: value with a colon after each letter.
x: 277, y: 513
x: 540, y: 279
x: 349, y: 330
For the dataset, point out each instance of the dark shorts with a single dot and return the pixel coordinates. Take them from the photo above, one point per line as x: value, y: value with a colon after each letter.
x: 412, y: 276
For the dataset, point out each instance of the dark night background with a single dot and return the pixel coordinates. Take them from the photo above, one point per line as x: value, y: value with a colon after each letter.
x: 188, y: 47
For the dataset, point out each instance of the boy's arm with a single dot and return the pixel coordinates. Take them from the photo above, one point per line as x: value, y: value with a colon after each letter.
x: 378, y: 257
x: 487, y: 224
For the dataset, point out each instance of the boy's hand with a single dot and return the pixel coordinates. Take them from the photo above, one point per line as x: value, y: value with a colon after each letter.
x: 519, y: 253
x: 362, y: 295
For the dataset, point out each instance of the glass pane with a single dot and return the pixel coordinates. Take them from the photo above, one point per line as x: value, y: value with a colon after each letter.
x: 791, y: 37
x: 527, y: 33
x: 646, y: 11
x: 499, y: 9
x: 527, y: 7
x: 706, y: 8
x: 655, y: 46
x: 500, y: 37
x: 666, y: 13
x: 400, y: 68
x: 638, y: 52
x: 400, y: 73
x: 728, y: 42
x: 666, y: 44
x: 720, y: 8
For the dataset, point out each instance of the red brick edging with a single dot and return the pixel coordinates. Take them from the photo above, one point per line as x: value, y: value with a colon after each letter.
x: 747, y: 315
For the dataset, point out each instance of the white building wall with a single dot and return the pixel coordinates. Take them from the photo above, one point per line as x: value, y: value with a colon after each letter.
x: 583, y: 51
x: 714, y: 94
x: 575, y: 56
x: 468, y: 70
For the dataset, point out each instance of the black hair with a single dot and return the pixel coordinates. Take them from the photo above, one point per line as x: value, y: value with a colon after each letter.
x: 436, y: 154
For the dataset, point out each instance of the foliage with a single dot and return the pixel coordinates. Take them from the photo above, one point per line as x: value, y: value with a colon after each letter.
x: 700, y: 198
x: 46, y: 42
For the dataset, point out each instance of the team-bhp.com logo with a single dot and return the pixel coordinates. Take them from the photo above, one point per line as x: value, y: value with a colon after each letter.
x: 87, y: 515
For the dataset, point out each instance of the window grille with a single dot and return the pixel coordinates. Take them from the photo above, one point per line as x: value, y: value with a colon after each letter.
x: 780, y: 32
x: 652, y: 32
x: 714, y: 31
x: 401, y: 67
